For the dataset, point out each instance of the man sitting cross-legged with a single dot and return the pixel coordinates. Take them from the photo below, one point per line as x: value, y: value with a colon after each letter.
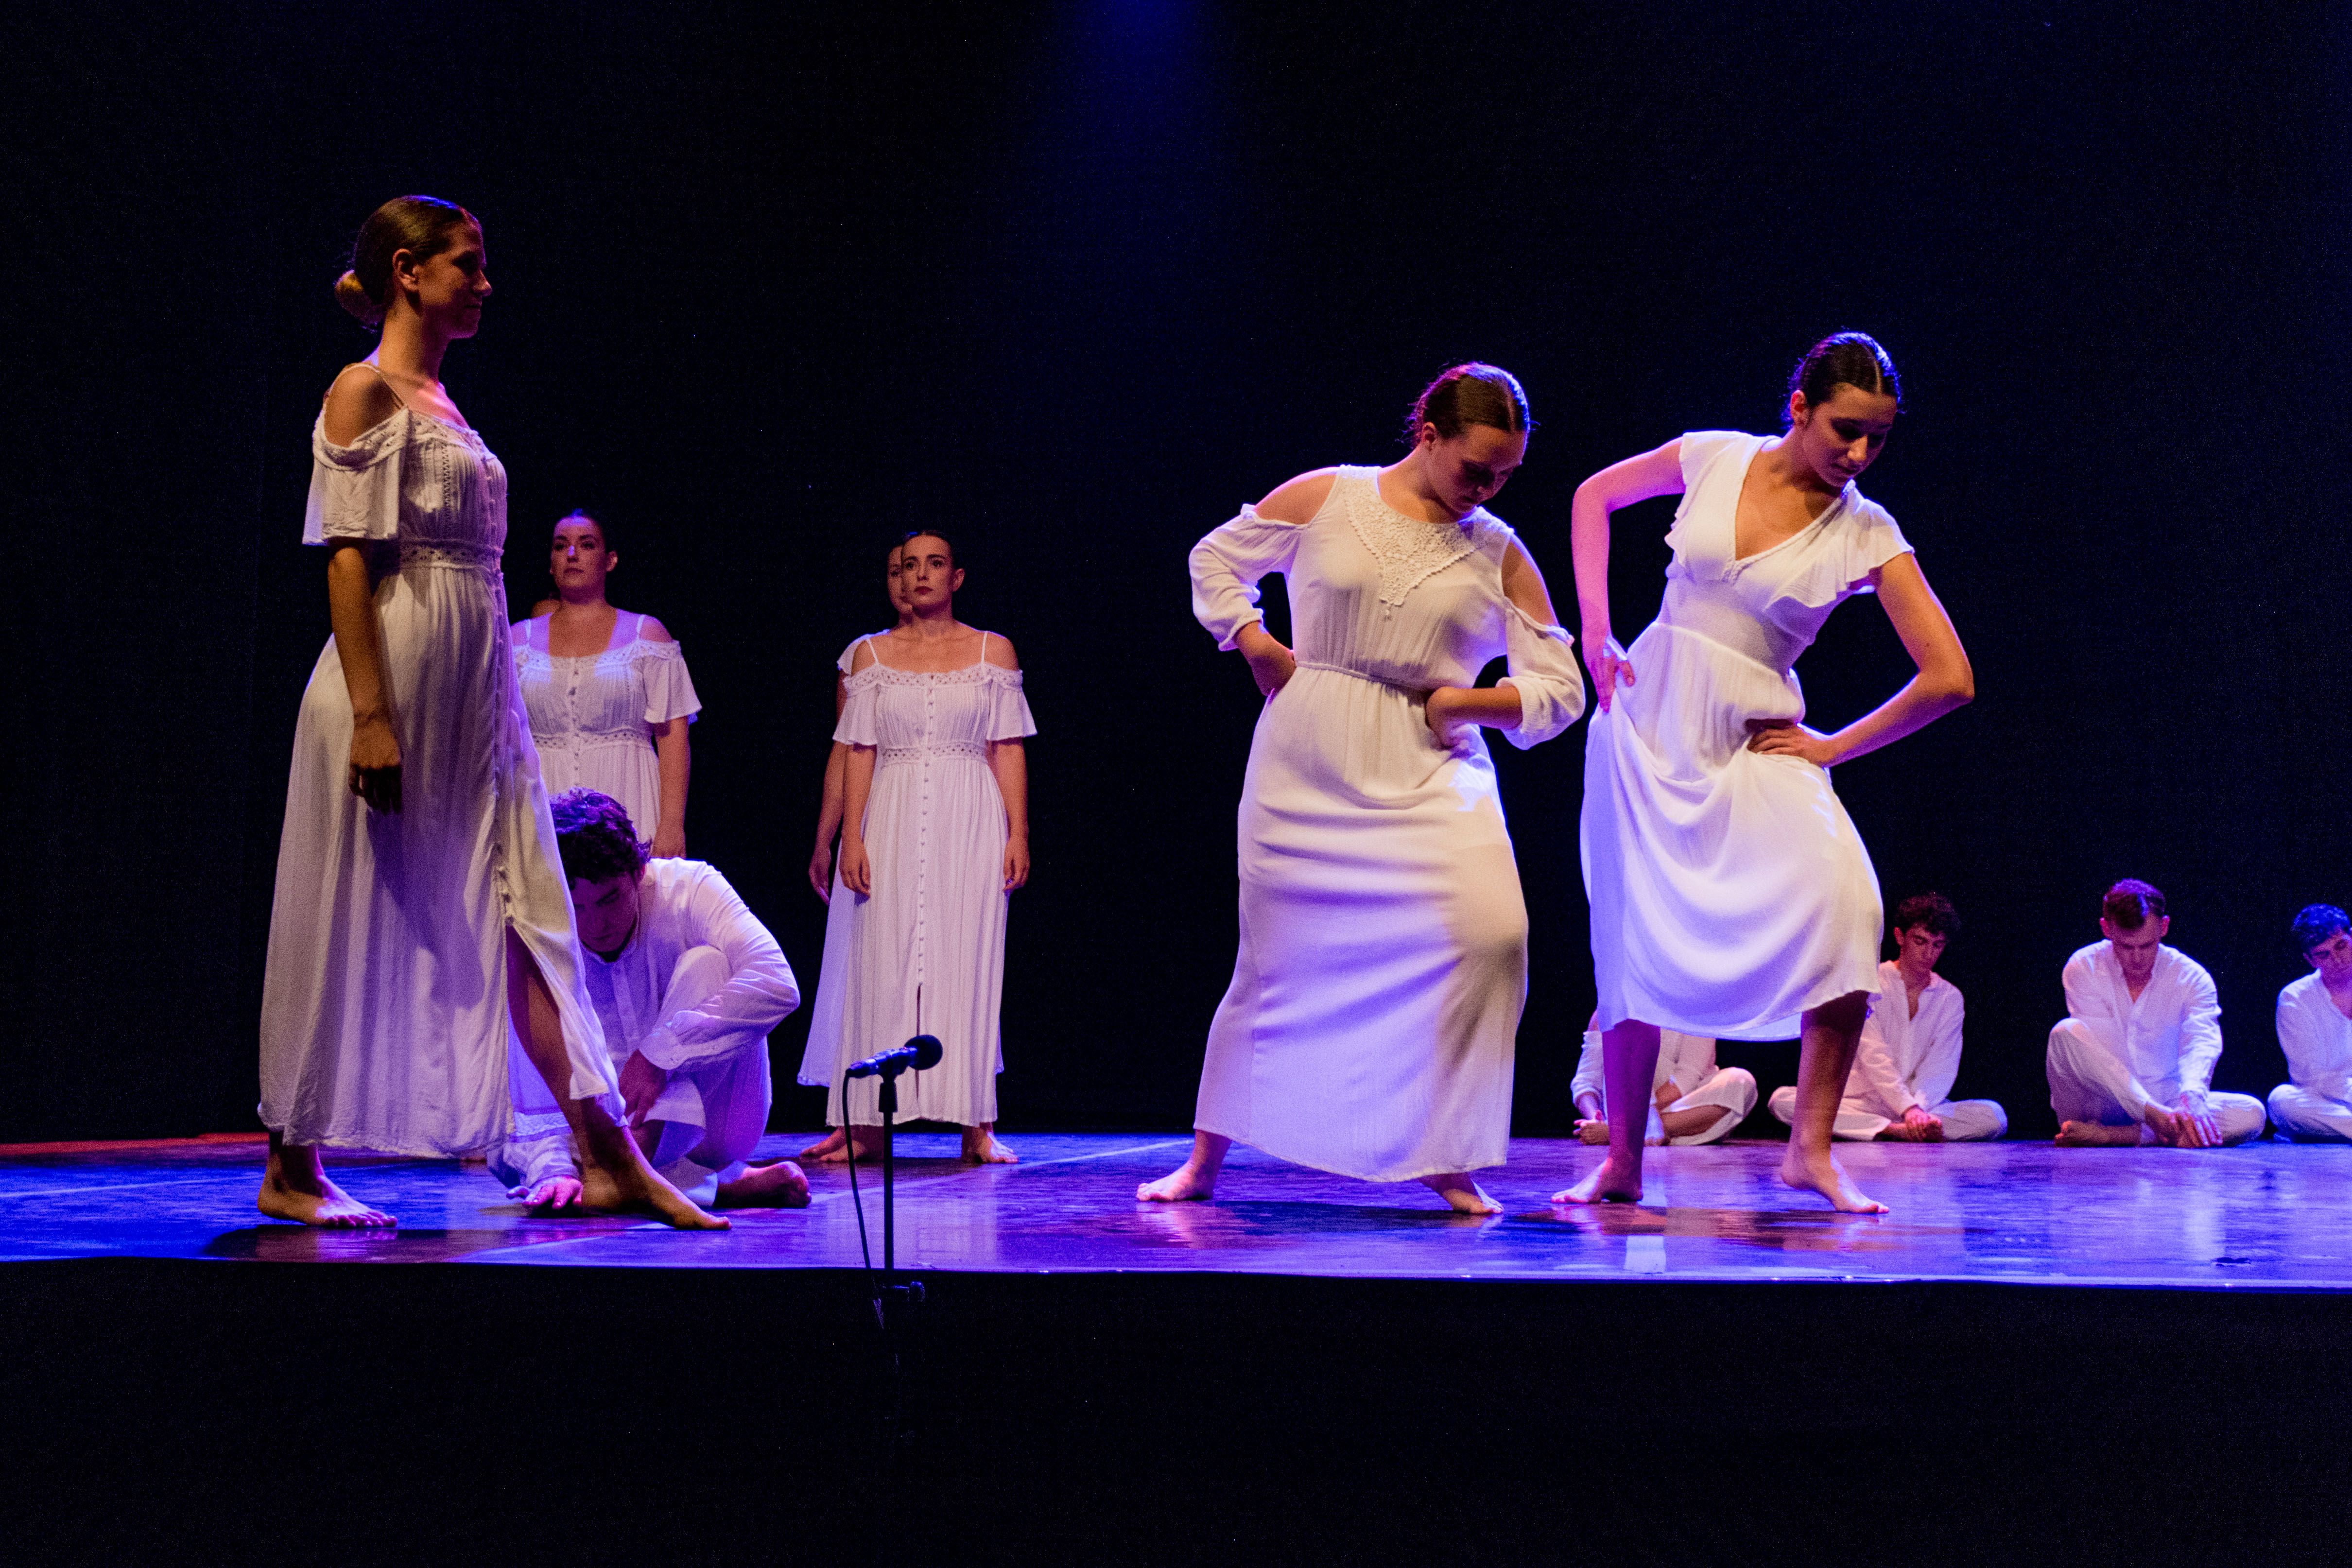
x: 1911, y: 1046
x: 2133, y: 1062
x: 1693, y: 1101
x: 2315, y: 1030
x: 687, y: 984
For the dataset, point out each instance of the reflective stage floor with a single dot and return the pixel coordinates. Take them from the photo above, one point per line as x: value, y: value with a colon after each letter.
x: 2267, y: 1214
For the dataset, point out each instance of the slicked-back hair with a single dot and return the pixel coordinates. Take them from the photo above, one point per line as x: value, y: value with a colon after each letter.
x: 1467, y: 394
x: 2131, y: 903
x: 1842, y: 359
x: 595, y: 837
x: 424, y: 226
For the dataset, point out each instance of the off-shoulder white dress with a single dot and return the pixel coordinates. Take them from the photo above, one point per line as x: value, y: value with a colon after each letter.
x: 593, y: 718
x: 927, y: 946
x: 384, y: 1012
x: 1375, y: 1001
x: 1729, y: 890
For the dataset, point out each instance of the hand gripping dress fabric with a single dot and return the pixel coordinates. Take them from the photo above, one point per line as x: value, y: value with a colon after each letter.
x: 924, y: 953
x: 1370, y: 1026
x: 384, y: 1017
x: 1729, y: 891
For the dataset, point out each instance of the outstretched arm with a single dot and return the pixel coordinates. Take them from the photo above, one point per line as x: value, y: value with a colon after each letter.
x: 1945, y: 680
x: 1657, y: 473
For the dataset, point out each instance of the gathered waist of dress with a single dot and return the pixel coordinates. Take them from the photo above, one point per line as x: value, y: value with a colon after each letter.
x: 449, y: 555
x: 1367, y: 675
x: 896, y: 756
x: 585, y: 740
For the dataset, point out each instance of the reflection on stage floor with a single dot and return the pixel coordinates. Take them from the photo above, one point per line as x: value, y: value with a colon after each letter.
x: 2264, y: 1214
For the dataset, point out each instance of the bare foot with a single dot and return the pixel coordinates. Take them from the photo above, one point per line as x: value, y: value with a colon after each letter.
x: 1608, y: 1183
x: 615, y: 1177
x: 1466, y: 1196
x: 836, y: 1150
x: 294, y: 1186
x: 2094, y: 1135
x: 981, y: 1148
x: 1821, y: 1173
x: 827, y: 1147
x: 1188, y: 1182
x: 782, y: 1184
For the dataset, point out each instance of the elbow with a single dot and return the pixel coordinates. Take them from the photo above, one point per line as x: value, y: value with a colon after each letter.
x: 1954, y: 687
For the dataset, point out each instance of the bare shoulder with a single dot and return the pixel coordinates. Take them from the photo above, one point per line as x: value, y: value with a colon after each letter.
x: 358, y: 401
x: 1000, y: 651
x: 1297, y: 500
x: 863, y: 657
x: 652, y: 631
x: 1523, y: 583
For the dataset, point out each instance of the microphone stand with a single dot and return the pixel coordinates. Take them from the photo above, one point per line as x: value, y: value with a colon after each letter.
x: 894, y: 1300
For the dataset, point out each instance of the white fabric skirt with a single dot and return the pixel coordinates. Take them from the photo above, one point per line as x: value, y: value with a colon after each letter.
x: 1729, y: 890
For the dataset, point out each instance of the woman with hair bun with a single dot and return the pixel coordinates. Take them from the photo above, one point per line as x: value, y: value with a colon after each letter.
x: 420, y: 902
x: 1730, y: 893
x: 934, y: 840
x: 1369, y: 1028
x: 607, y: 691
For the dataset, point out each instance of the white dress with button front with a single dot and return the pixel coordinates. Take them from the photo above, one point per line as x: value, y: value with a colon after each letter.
x: 1729, y: 891
x: 1371, y: 1020
x: 924, y: 953
x: 383, y: 1008
x: 593, y: 718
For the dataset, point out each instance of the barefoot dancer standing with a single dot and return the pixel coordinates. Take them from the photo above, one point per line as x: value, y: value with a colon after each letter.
x: 420, y: 902
x: 1370, y: 1024
x: 1730, y: 893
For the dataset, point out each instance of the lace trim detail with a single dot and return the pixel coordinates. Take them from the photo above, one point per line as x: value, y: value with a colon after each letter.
x: 1409, y: 552
x: 472, y: 557
x: 581, y: 739
x: 880, y: 673
x: 893, y: 756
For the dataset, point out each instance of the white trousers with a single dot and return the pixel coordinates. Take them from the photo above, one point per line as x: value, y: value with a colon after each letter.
x: 2090, y: 1083
x: 713, y: 1112
x: 2308, y: 1117
x: 1965, y: 1121
x: 1731, y: 1091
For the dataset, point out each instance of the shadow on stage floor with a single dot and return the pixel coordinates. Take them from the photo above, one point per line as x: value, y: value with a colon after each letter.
x: 1308, y: 1370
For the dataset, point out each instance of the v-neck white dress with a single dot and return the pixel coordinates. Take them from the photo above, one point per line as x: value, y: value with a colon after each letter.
x: 384, y: 1005
x: 1729, y: 890
x: 1371, y: 1020
x: 924, y: 953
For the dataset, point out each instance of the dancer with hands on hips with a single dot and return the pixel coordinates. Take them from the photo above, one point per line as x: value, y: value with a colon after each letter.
x: 1730, y: 893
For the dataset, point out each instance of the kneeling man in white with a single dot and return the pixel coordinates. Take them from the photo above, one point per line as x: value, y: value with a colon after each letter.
x: 2315, y: 1030
x: 2133, y: 1062
x: 1693, y: 1100
x: 1901, y: 1083
x: 687, y: 984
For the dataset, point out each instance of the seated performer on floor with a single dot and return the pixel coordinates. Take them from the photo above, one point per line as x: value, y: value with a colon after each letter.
x: 1910, y: 1051
x: 2315, y: 1030
x: 687, y: 984
x: 1695, y: 1101
x: 2133, y: 1060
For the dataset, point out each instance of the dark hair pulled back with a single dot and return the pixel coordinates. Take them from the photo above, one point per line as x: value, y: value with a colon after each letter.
x: 577, y: 515
x: 911, y: 534
x: 421, y: 226
x: 1843, y: 359
x: 1468, y: 394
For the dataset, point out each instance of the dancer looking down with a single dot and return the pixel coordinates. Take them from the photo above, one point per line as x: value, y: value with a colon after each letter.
x: 2315, y: 1030
x: 1730, y: 893
x: 1370, y: 1024
x: 420, y: 904
x: 934, y: 840
x: 2133, y: 1060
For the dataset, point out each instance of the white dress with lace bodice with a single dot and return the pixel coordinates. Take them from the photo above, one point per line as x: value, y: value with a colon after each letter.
x: 924, y: 953
x: 1729, y: 890
x: 1370, y: 1023
x: 593, y: 716
x: 383, y: 1013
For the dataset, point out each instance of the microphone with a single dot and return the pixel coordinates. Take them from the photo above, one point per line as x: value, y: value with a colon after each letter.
x: 921, y: 1053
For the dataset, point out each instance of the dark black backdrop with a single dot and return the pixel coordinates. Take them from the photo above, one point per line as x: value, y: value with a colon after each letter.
x: 1072, y: 281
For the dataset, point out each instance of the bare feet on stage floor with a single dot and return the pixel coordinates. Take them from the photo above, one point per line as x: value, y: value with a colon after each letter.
x: 1195, y: 1181
x: 981, y: 1147
x: 294, y: 1186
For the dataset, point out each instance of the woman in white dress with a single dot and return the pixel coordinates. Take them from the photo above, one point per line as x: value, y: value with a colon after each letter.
x: 420, y: 902
x: 836, y: 760
x: 1730, y: 893
x: 1369, y: 1028
x: 934, y: 839
x: 607, y: 692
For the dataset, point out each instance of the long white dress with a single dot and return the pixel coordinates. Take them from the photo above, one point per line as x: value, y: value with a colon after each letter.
x: 593, y: 718
x: 821, y: 1057
x: 1729, y: 891
x: 924, y: 953
x: 384, y: 1012
x: 1370, y: 1026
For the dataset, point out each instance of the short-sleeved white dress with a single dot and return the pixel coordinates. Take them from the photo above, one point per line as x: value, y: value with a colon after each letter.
x: 1372, y: 1021
x: 593, y: 718
x: 927, y: 947
x: 383, y: 1013
x: 1729, y: 890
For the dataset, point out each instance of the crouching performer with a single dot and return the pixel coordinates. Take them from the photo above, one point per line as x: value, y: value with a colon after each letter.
x: 2315, y: 1030
x: 1901, y: 1080
x: 1693, y: 1100
x: 687, y: 984
x: 2133, y: 1062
